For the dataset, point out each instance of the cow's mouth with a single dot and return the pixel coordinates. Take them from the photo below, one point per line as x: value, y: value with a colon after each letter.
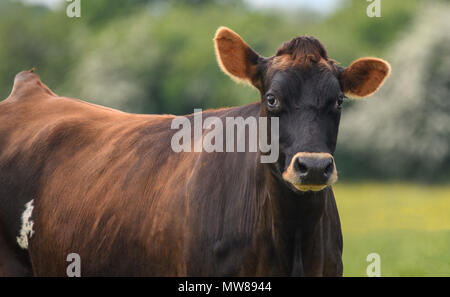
x: 305, y: 188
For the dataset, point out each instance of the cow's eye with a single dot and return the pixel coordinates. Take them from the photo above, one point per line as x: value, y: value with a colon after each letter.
x: 272, y: 101
x: 340, y: 101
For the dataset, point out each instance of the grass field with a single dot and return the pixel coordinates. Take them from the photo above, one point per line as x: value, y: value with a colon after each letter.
x: 408, y: 225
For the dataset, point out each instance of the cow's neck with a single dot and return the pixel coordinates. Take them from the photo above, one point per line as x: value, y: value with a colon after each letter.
x: 293, y: 217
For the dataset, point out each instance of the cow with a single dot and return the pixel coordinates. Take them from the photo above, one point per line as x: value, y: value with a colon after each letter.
x: 104, y: 184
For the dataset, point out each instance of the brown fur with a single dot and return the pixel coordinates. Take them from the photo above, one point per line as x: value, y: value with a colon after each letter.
x: 107, y: 185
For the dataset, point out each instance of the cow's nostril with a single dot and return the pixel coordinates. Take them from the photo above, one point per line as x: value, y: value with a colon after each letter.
x: 301, y: 167
x: 329, y: 169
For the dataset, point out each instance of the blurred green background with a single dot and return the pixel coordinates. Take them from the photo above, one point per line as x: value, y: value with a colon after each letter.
x: 154, y: 56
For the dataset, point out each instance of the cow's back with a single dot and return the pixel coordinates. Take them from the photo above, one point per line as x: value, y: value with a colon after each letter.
x: 87, y: 170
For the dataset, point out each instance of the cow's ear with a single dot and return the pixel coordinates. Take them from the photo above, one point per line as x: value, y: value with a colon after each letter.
x: 236, y: 58
x: 364, y: 77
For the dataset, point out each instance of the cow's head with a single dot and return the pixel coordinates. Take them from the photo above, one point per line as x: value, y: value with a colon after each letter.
x: 305, y: 89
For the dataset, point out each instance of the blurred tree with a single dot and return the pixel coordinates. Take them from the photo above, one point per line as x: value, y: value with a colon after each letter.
x: 99, y: 12
x: 162, y: 58
x: 404, y: 131
x: 33, y: 36
x: 350, y: 33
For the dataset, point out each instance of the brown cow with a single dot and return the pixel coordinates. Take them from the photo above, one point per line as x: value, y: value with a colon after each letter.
x: 80, y: 178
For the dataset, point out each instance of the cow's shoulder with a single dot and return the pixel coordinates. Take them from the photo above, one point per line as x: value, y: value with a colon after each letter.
x: 27, y: 85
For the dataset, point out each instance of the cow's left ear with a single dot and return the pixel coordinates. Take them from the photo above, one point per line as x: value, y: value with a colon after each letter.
x: 364, y: 77
x: 236, y: 58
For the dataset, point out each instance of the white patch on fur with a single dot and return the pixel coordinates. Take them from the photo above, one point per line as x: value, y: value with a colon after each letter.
x: 27, y: 226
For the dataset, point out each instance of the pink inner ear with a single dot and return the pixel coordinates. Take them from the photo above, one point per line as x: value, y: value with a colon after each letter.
x: 364, y: 77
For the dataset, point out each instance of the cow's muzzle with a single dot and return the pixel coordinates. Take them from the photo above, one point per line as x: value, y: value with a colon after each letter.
x: 311, y: 171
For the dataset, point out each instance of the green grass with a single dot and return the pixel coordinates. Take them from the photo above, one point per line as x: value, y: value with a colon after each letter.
x: 408, y: 225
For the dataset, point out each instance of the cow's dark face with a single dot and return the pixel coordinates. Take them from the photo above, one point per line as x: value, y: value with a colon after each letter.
x: 305, y: 90
x: 307, y: 99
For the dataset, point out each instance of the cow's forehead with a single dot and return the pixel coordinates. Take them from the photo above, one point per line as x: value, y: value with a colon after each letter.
x: 320, y: 74
x: 287, y: 61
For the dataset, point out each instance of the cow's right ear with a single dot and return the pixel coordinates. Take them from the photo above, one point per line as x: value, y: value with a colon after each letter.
x: 236, y: 58
x: 364, y: 77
